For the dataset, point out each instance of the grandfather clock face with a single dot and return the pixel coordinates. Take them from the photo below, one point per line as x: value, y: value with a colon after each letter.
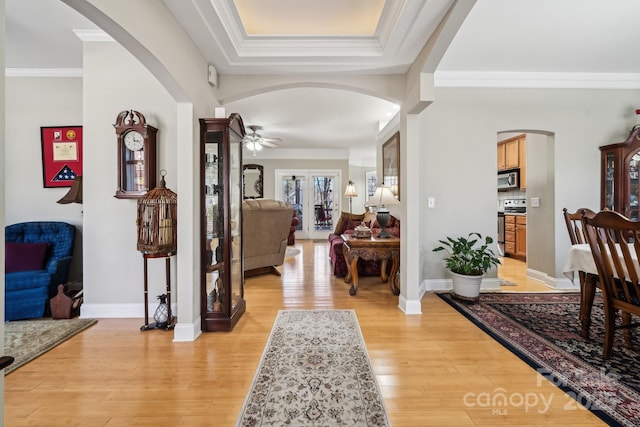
x: 136, y: 155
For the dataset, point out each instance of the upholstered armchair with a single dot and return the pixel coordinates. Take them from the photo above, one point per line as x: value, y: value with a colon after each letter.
x: 38, y: 255
x: 266, y: 224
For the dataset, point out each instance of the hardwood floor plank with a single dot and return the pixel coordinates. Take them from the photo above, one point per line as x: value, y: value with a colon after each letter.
x: 113, y: 374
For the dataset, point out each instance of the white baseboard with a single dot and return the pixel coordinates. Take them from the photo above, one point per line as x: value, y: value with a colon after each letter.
x: 114, y: 311
x: 438, y: 285
x: 410, y: 306
x: 181, y: 332
x: 553, y: 282
x: 184, y: 332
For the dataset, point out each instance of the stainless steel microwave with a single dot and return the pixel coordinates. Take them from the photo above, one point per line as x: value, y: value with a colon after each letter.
x: 508, y: 180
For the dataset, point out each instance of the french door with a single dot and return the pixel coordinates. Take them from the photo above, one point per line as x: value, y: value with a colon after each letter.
x: 315, y: 194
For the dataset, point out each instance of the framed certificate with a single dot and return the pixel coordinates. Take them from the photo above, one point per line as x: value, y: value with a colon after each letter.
x: 61, y: 155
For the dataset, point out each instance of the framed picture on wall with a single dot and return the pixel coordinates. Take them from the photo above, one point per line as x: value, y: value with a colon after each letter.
x: 391, y: 164
x: 371, y: 183
x: 61, y: 155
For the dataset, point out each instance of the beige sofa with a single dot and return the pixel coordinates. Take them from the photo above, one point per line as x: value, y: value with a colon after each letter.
x: 265, y: 227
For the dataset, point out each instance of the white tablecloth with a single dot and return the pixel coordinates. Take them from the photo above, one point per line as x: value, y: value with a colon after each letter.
x: 579, y: 259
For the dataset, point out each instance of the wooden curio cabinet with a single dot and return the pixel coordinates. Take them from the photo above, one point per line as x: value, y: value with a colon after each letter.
x: 620, y: 188
x: 222, y: 277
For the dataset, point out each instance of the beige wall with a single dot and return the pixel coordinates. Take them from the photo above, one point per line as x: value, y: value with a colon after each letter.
x: 113, y: 269
x: 457, y: 153
x: 32, y: 102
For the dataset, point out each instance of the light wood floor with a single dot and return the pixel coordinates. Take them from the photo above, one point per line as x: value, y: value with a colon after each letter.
x: 433, y: 369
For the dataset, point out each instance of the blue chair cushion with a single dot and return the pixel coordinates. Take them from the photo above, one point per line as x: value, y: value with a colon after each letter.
x: 26, y: 280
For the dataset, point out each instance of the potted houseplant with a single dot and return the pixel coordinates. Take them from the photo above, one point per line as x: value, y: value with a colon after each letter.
x: 468, y: 259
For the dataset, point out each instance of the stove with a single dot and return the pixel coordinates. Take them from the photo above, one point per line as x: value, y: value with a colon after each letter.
x: 511, y: 206
x: 515, y: 206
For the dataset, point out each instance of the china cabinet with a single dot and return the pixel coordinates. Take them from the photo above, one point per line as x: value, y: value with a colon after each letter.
x: 222, y: 276
x: 619, y: 175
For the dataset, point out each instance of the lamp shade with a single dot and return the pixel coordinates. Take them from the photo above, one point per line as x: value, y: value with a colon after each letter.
x: 383, y: 197
x: 350, y: 190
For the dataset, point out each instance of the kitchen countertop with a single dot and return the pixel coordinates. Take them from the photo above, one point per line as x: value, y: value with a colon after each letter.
x: 515, y: 213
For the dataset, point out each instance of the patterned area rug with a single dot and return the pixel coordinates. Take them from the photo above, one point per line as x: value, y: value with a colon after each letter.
x: 315, y: 371
x: 542, y: 329
x: 27, y: 339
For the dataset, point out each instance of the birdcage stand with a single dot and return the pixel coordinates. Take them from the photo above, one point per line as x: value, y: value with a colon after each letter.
x: 170, y: 318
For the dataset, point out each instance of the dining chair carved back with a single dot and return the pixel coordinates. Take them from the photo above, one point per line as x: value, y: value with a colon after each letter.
x: 615, y: 246
x: 588, y: 282
x: 574, y: 224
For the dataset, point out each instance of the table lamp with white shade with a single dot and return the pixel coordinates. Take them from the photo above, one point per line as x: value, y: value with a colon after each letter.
x: 350, y: 192
x: 382, y: 198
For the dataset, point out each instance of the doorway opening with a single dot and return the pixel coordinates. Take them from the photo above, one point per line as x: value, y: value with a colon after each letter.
x: 311, y: 193
x: 526, y: 207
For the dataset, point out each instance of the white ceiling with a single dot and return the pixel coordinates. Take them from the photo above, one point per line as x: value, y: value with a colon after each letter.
x: 550, y: 43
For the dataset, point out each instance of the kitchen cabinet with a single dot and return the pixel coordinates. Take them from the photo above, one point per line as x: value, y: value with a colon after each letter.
x: 510, y: 234
x: 522, y: 155
x: 521, y: 237
x: 222, y: 273
x: 509, y: 154
x: 515, y: 236
x: 512, y: 154
x: 619, y: 185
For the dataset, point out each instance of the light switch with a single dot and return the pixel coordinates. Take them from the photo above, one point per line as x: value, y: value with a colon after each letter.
x: 535, y: 202
x: 431, y: 202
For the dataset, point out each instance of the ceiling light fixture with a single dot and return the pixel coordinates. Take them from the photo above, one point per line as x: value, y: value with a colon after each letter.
x: 255, y: 142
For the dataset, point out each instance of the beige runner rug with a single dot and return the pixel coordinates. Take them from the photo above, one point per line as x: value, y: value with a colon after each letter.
x: 315, y: 371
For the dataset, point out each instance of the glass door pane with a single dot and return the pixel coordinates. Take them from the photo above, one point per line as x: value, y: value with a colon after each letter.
x: 609, y: 182
x: 324, y: 205
x: 215, y: 219
x: 313, y: 195
x: 293, y: 191
x: 235, y: 196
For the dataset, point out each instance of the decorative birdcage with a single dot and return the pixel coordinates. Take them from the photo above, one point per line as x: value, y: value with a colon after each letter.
x: 157, y: 220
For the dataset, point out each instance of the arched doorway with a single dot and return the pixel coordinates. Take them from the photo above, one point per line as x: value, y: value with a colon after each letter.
x: 536, y: 189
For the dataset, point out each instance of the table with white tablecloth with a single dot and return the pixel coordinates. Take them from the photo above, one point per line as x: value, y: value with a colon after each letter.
x: 580, y: 259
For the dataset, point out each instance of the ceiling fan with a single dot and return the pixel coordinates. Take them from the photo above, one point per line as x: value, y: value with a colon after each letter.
x: 255, y: 142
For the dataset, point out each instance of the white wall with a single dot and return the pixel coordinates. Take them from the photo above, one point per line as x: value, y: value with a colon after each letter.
x: 113, y: 268
x: 32, y: 102
x: 459, y: 131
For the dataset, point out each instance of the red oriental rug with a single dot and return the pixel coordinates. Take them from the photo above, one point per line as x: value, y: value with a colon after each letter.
x: 542, y: 329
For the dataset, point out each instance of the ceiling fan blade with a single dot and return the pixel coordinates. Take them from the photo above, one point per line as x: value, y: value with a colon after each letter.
x: 266, y: 143
x: 272, y: 139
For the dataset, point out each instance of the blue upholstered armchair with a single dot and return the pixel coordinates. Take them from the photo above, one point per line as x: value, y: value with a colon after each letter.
x: 37, y: 259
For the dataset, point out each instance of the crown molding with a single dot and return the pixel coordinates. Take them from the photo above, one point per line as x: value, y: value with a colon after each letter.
x: 43, y: 72
x: 489, y: 79
x: 93, y: 36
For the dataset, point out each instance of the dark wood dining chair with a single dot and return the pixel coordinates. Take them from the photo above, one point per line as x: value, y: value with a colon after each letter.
x: 588, y: 282
x: 615, y: 245
x: 574, y: 224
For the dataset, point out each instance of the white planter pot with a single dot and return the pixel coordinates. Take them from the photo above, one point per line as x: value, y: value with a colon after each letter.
x: 466, y: 287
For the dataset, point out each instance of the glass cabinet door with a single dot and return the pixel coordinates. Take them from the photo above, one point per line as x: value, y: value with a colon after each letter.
x: 609, y: 181
x: 214, y: 232
x: 633, y: 187
x: 235, y: 199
